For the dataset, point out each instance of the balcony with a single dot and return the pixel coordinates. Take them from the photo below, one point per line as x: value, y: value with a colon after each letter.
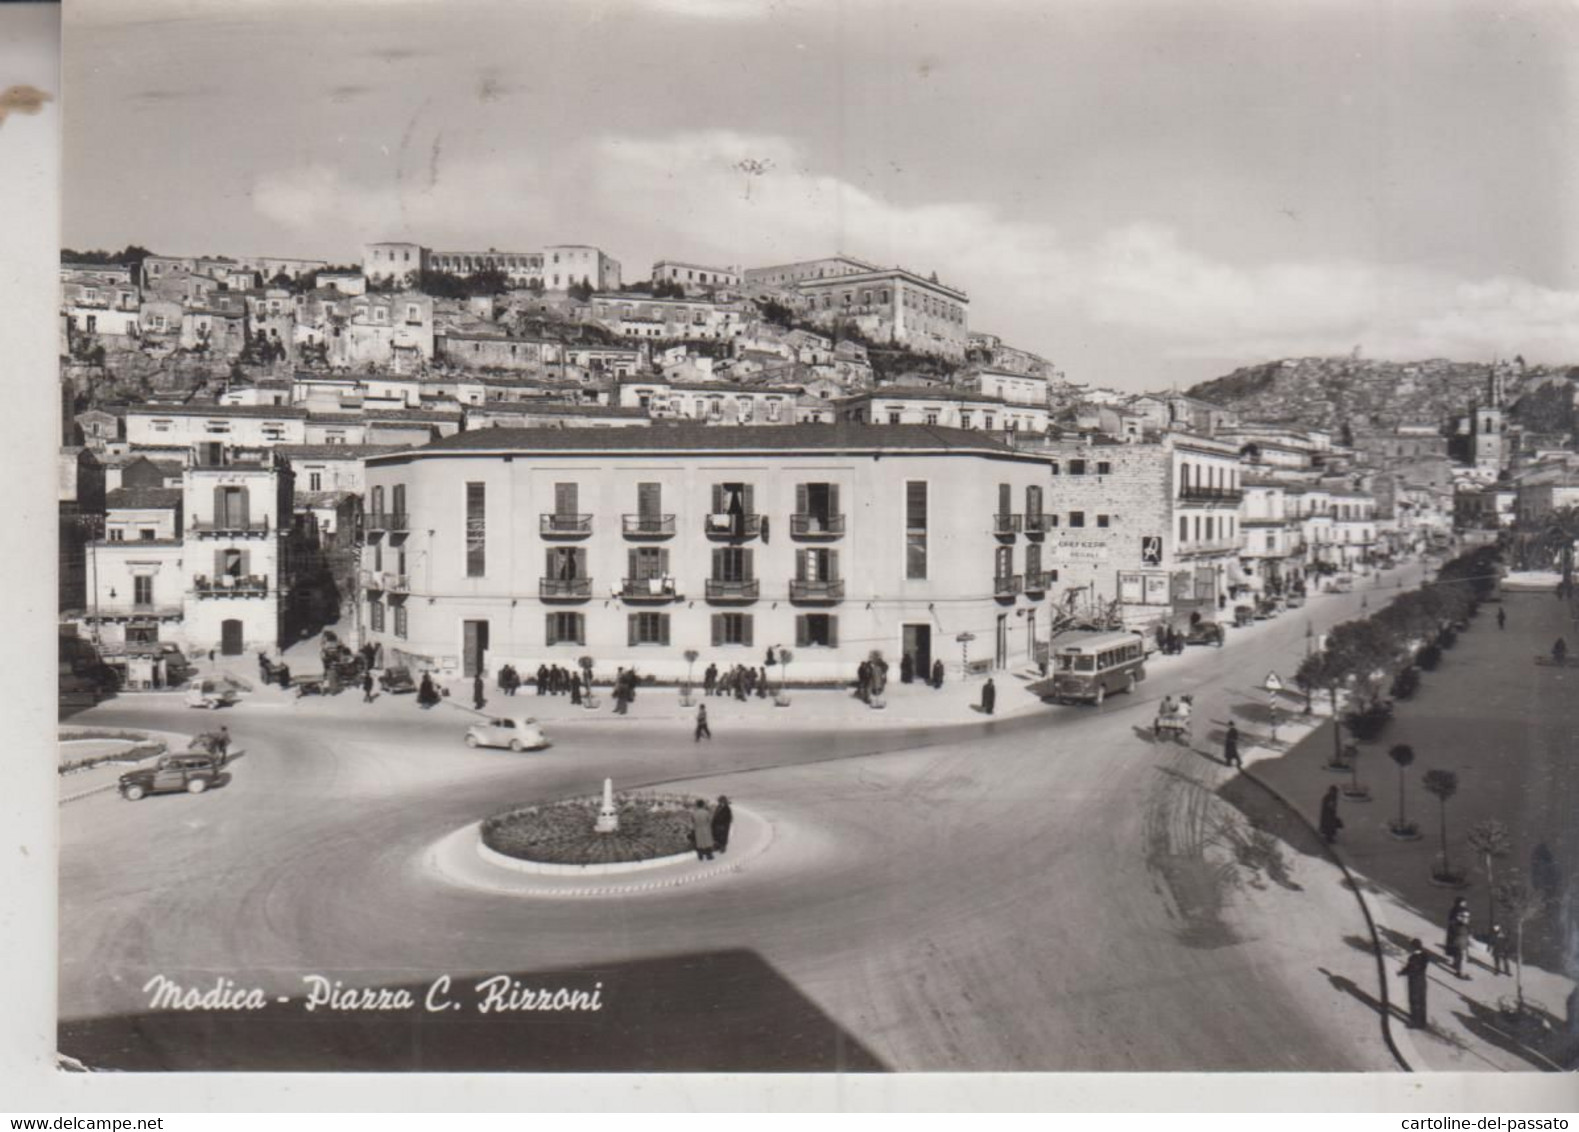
x: 231, y: 527
x: 649, y: 526
x: 1209, y: 546
x: 564, y: 589
x: 1209, y: 495
x: 719, y: 589
x: 133, y: 610
x: 1006, y: 585
x: 229, y: 585
x: 648, y: 589
x: 370, y: 579
x: 1006, y: 525
x: 396, y: 522
x: 817, y: 591
x: 728, y: 525
x: 564, y: 525
x: 395, y: 583
x: 1038, y: 583
x: 1039, y: 525
x: 810, y: 525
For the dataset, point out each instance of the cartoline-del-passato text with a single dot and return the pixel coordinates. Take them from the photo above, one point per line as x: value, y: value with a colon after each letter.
x: 497, y: 994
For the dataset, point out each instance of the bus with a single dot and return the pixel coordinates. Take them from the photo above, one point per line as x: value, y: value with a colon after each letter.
x: 1089, y: 665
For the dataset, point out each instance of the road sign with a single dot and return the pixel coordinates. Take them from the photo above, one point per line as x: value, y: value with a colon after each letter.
x: 965, y: 637
x: 1274, y: 683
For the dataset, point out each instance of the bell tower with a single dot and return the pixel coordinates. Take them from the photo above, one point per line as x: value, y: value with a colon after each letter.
x: 1488, y: 425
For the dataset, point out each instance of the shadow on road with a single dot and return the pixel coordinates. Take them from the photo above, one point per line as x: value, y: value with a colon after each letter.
x: 724, y: 1011
x: 1537, y: 1037
x: 1354, y: 991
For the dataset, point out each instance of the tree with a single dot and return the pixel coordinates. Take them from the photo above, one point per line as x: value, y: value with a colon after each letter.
x: 1402, y: 755
x: 690, y: 664
x: 785, y: 656
x: 1443, y: 784
x: 1490, y: 839
x: 1522, y: 904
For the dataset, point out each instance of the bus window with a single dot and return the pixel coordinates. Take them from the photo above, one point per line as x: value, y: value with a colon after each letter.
x: 1085, y: 664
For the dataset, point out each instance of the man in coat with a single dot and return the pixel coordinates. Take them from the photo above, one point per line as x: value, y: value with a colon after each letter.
x: 1231, y: 747
x: 701, y: 725
x: 702, y: 826
x: 1415, y: 969
x: 907, y: 669
x: 1330, y: 821
x: 478, y: 699
x: 367, y: 687
x: 723, y: 818
x: 1458, y: 935
x: 710, y: 679
x: 937, y: 674
x: 989, y: 696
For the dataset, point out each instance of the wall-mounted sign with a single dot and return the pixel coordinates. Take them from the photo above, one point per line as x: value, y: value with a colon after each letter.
x: 1151, y: 550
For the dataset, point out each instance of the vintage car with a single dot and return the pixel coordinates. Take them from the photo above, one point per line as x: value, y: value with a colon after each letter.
x: 211, y: 694
x: 1294, y: 600
x: 1204, y: 633
x: 397, y: 680
x: 520, y: 734
x: 193, y: 772
x: 1243, y: 615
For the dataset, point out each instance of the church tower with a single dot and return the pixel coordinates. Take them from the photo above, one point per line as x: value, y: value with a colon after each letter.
x: 1487, y: 425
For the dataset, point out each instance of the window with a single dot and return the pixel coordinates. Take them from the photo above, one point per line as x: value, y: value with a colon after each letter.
x: 893, y: 416
x: 732, y: 629
x: 932, y: 416
x: 1104, y: 468
x: 816, y: 630
x: 1077, y: 468
x: 916, y: 530
x: 647, y: 562
x: 1003, y: 562
x: 818, y: 565
x: 648, y: 629
x: 143, y: 589
x: 146, y: 534
x: 1033, y: 562
x: 964, y: 418
x: 565, y: 629
x: 476, y: 530
x: 314, y: 481
x: 988, y: 423
x: 400, y: 621
x: 1033, y: 508
x: 375, y: 614
x: 117, y: 535
x: 1211, y: 523
x: 1077, y: 518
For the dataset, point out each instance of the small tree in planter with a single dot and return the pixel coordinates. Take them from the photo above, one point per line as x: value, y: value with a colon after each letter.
x: 1355, y: 791
x: 1490, y: 839
x: 1429, y: 657
x: 690, y: 666
x: 782, y: 699
x: 1406, y: 683
x: 1402, y: 755
x: 1520, y: 904
x: 586, y: 663
x: 1443, y: 784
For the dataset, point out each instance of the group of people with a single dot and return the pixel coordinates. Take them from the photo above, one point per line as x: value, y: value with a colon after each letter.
x: 871, y: 677
x: 742, y: 681
x: 710, y: 827
x: 624, y: 691
x: 1170, y: 642
x: 1456, y: 949
x: 555, y: 680
x: 909, y: 673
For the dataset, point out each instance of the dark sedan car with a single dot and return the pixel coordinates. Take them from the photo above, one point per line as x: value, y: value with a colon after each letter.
x: 193, y: 772
x: 397, y: 680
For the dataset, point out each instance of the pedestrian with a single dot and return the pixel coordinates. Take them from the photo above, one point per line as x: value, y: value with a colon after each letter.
x: 478, y: 699
x: 937, y: 674
x: 740, y: 682
x: 880, y: 676
x: 989, y: 696
x: 1162, y: 638
x: 701, y: 724
x: 426, y: 696
x: 702, y: 825
x: 1415, y: 969
x: 762, y: 683
x: 542, y: 678
x: 367, y: 688
x: 1502, y: 618
x: 710, y: 678
x: 1501, y: 951
x: 1330, y: 821
x: 1560, y: 651
x: 863, y: 682
x: 222, y: 744
x: 723, y: 818
x: 1458, y: 935
x: 907, y: 669
x: 772, y: 657
x: 284, y: 674
x: 1231, y: 746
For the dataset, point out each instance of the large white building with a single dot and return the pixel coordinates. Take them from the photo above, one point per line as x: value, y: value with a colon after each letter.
x: 632, y: 546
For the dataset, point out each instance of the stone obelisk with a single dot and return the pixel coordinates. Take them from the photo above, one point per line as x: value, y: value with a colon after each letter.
x: 608, y: 817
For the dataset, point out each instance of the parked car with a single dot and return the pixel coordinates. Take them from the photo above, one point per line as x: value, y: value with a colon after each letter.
x: 211, y: 694
x: 1295, y: 600
x: 193, y: 772
x: 1205, y: 633
x: 397, y: 680
x: 1243, y: 615
x: 519, y: 734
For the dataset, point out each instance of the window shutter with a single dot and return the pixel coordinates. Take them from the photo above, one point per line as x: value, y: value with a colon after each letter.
x: 801, y: 557
x: 246, y: 563
x: 833, y: 566
x: 750, y: 500
x: 800, y: 631
x: 833, y: 499
x: 747, y: 564
x: 1005, y: 503
x: 633, y: 564
x: 663, y: 562
x: 548, y: 562
x: 663, y: 628
x: 833, y: 631
x: 631, y: 630
x: 801, y: 499
x: 580, y: 623
x: 718, y: 629
x: 746, y: 623
x: 718, y: 499
x: 718, y: 565
x: 649, y: 500
x: 549, y: 636
x: 219, y: 505
x: 219, y: 564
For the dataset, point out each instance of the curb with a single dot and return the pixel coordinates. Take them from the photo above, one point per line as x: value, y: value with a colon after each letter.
x: 1388, y: 1037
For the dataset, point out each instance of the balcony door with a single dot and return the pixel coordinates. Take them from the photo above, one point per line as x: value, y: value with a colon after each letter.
x: 918, y: 646
x: 475, y: 648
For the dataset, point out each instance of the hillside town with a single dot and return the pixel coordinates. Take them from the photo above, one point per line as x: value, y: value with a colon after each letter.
x: 256, y: 448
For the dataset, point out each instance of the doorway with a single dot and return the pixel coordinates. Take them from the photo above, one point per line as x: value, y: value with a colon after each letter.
x: 476, y: 648
x: 1001, y: 650
x: 918, y: 643
x: 230, y: 640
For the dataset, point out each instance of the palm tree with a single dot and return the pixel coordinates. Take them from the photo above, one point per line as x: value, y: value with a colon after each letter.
x: 1402, y: 755
x: 1490, y: 839
x: 1443, y: 784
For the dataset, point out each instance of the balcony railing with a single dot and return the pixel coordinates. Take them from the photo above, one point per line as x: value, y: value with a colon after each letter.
x: 122, y: 609
x: 813, y: 525
x: 370, y: 579
x: 1038, y: 583
x: 558, y: 524
x: 1040, y: 524
x: 229, y: 526
x: 649, y: 526
x: 648, y: 589
x: 1209, y: 546
x: 396, y: 521
x: 827, y: 590
x: 1004, y: 524
x: 725, y: 525
x: 564, y: 589
x: 720, y: 589
x: 1193, y: 494
x: 229, y: 585
x: 1006, y: 585
x: 396, y: 583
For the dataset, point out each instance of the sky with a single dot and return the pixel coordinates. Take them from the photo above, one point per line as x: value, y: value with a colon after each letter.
x: 1148, y: 194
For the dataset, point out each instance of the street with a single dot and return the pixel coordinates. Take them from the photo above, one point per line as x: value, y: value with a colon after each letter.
x: 1051, y: 891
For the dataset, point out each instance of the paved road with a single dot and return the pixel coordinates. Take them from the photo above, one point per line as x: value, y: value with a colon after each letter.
x: 1034, y: 893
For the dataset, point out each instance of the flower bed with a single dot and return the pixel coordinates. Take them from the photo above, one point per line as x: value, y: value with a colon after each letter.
x: 561, y: 833
x: 135, y: 753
